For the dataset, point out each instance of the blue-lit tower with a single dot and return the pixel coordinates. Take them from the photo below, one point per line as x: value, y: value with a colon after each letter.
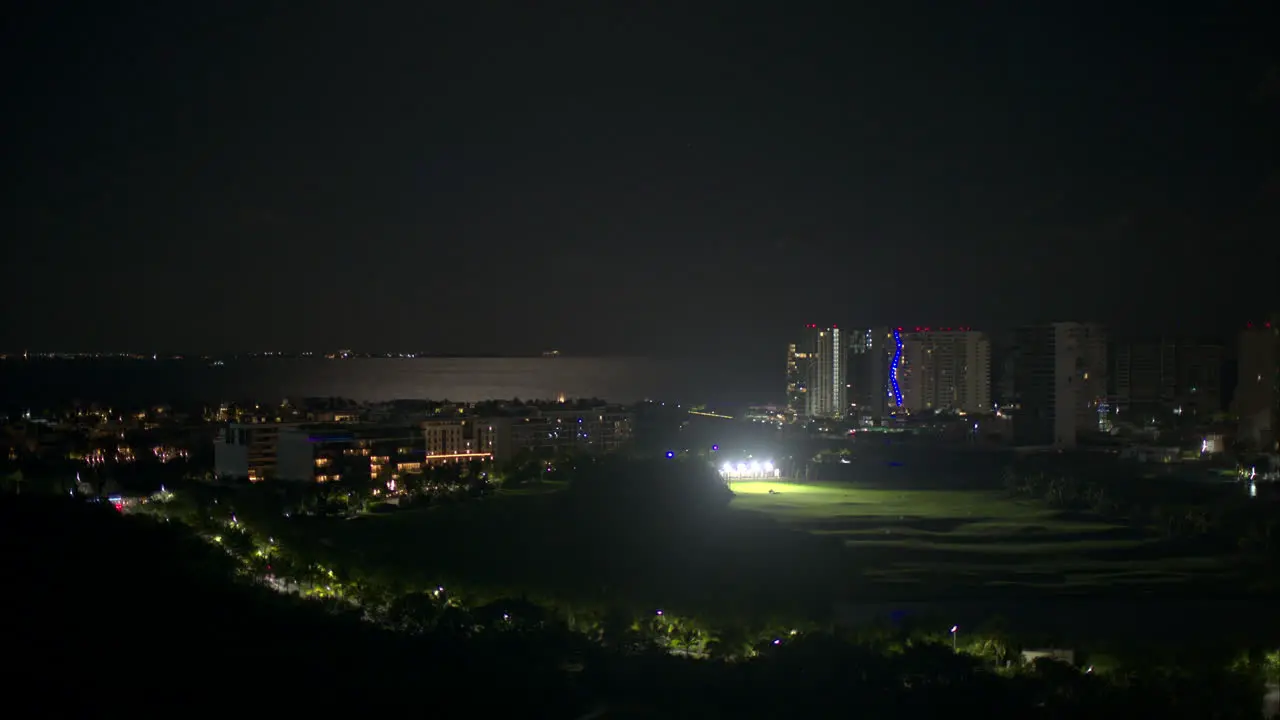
x: 895, y: 390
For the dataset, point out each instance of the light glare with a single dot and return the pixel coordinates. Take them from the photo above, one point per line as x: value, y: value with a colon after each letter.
x: 753, y: 470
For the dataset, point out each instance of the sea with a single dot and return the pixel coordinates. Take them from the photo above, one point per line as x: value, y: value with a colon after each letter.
x: 716, y: 382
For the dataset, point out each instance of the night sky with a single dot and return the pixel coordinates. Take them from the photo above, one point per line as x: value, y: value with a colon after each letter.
x: 646, y: 178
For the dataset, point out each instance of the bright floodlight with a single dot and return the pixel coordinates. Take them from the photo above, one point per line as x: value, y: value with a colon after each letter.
x: 954, y: 628
x: 750, y: 469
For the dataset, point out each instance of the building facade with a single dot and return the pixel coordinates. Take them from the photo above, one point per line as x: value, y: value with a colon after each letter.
x: 1166, y: 377
x: 816, y: 372
x: 872, y: 373
x: 452, y: 439
x: 314, y: 452
x: 1060, y: 383
x: 797, y: 381
x: 1257, y: 396
x: 945, y: 370
x: 547, y: 432
x: 247, y: 451
x: 1198, y: 385
x: 332, y: 452
x: 1143, y: 376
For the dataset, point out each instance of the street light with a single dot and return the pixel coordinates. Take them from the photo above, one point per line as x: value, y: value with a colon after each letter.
x: 955, y: 632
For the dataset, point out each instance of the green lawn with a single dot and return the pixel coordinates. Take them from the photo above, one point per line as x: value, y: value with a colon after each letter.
x: 535, y: 542
x: 973, y: 540
x: 790, y: 554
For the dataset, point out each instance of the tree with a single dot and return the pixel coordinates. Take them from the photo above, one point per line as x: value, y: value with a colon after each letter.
x: 355, y: 488
x: 1012, y: 482
x: 13, y: 482
x: 650, y: 489
x: 414, y: 612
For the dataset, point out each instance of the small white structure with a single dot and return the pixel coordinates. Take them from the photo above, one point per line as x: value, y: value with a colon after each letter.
x: 1212, y: 444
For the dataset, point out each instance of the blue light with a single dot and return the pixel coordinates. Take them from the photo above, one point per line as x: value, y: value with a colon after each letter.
x: 893, y: 367
x: 715, y: 448
x: 670, y: 454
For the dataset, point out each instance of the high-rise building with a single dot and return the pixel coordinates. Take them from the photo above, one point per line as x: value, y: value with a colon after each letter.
x: 1165, y: 377
x: 1143, y: 376
x: 1003, y: 368
x: 945, y: 369
x: 1199, y: 380
x: 816, y: 371
x: 1060, y: 383
x: 1257, y: 396
x: 871, y: 374
x: 797, y: 381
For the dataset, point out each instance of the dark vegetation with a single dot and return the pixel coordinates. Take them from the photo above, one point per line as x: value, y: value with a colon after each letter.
x: 1212, y: 518
x: 103, y: 610
x: 634, y: 534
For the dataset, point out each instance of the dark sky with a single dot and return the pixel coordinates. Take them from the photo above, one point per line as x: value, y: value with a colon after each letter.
x: 651, y: 177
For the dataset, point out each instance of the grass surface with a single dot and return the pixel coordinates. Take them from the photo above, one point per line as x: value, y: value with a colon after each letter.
x: 973, y: 539
x: 534, y: 542
x: 790, y: 554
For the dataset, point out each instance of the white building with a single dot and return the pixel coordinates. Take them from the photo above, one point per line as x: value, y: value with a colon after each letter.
x: 946, y: 370
x: 545, y: 432
x: 825, y: 393
x: 247, y: 451
x: 314, y: 452
x: 451, y: 439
